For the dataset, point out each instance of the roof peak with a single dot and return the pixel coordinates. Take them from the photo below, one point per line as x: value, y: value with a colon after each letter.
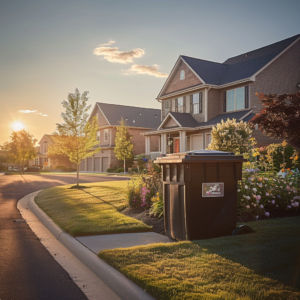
x: 204, y: 60
x: 126, y: 105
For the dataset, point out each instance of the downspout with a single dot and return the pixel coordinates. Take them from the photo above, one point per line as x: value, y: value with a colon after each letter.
x: 161, y: 108
x: 206, y: 102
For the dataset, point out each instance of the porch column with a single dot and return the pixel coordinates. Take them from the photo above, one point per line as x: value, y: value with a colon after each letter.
x: 182, y: 137
x: 163, y: 143
x: 205, y: 104
x: 147, y: 144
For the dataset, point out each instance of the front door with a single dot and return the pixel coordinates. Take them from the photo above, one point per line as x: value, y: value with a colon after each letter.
x: 176, y: 145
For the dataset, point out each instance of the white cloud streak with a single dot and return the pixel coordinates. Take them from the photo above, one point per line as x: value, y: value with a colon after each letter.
x: 27, y: 111
x: 148, y: 70
x: 114, y: 55
x: 108, y: 43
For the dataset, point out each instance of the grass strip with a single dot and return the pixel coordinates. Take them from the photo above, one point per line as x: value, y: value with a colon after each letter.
x: 262, y: 265
x: 89, y: 211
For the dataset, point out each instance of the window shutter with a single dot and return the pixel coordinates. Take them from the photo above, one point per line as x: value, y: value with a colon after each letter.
x: 200, y: 102
x: 246, y: 96
x: 184, y: 104
x: 224, y: 102
x: 176, y: 104
x: 191, y: 103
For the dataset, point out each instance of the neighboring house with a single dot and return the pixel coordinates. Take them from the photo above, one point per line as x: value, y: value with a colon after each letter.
x: 198, y: 94
x: 41, y: 158
x: 139, y: 120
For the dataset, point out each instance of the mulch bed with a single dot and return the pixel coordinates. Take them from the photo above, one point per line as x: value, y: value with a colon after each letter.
x: 158, y: 224
x: 143, y: 215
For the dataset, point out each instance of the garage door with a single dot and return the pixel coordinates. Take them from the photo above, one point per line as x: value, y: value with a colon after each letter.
x: 196, y: 142
x: 82, y: 165
x: 97, y: 164
x: 105, y: 161
x: 89, y: 164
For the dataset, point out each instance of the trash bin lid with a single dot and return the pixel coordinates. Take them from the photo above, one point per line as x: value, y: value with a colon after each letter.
x: 200, y: 156
x: 208, y: 152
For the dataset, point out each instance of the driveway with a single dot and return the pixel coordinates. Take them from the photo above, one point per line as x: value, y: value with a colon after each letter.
x: 27, y: 270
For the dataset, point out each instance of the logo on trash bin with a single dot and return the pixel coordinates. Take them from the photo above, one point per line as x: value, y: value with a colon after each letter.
x: 215, y: 189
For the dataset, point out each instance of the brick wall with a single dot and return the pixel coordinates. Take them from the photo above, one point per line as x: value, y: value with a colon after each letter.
x: 281, y: 76
x: 176, y: 84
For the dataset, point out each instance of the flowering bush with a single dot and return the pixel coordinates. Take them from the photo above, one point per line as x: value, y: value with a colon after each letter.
x: 157, y: 208
x: 258, y: 195
x: 231, y: 136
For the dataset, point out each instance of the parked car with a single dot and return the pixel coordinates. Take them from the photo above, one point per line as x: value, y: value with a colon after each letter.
x: 10, y: 168
x: 16, y: 169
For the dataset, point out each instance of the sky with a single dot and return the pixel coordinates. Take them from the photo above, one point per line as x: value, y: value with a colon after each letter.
x: 119, y: 51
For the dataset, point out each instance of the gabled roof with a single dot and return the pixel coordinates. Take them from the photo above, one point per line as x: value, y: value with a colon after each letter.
x: 241, y: 67
x: 48, y: 137
x: 132, y: 116
x: 186, y: 119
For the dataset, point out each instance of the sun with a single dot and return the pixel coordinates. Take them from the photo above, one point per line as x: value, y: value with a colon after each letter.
x: 16, y: 126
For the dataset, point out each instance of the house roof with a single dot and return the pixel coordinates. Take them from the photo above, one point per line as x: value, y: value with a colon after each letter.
x: 239, y: 67
x: 132, y: 116
x: 184, y: 119
x: 49, y: 137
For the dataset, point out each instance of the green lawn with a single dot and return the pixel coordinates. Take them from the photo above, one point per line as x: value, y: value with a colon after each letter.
x: 262, y: 265
x: 89, y: 211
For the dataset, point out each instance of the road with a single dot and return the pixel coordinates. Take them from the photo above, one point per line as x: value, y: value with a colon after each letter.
x: 27, y: 270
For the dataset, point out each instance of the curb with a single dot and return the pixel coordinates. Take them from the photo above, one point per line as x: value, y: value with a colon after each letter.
x: 116, y: 281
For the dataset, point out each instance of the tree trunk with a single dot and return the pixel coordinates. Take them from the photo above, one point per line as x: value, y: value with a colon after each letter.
x: 77, y: 175
x: 124, y: 166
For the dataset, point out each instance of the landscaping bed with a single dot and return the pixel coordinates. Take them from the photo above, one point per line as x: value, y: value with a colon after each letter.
x: 262, y: 265
x: 92, y: 210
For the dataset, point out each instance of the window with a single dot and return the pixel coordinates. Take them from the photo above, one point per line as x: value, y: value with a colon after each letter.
x: 182, y: 75
x: 36, y: 161
x: 180, y: 106
x: 195, y: 103
x: 235, y: 99
x: 98, y: 136
x: 166, y: 107
x: 106, y: 135
x: 207, y: 139
x: 45, y: 147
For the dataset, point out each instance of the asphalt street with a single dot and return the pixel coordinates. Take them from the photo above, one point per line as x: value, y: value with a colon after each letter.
x: 27, y: 270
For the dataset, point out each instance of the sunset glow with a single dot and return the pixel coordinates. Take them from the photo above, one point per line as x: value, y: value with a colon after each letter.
x: 16, y: 126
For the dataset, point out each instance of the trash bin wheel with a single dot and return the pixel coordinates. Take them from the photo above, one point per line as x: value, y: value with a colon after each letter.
x: 242, y: 229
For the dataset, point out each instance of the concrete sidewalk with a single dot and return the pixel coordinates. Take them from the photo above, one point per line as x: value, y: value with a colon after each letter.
x: 104, y: 282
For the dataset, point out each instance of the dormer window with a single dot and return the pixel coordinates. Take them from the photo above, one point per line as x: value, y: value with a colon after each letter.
x: 182, y: 75
x: 235, y: 99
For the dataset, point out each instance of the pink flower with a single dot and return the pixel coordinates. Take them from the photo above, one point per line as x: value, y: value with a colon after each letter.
x: 267, y: 214
x: 289, y: 206
x: 267, y: 194
x: 248, y: 206
x: 261, y: 206
x: 273, y: 201
x: 258, y: 197
x: 288, y: 188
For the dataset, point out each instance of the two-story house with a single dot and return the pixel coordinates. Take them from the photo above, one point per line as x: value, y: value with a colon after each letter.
x: 139, y: 120
x: 198, y: 94
x: 41, y: 158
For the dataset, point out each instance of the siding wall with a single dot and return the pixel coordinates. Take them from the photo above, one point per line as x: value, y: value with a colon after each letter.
x: 176, y: 84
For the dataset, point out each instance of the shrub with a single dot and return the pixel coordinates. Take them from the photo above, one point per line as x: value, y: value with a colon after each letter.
x: 231, y: 136
x: 112, y: 170
x: 157, y: 208
x: 120, y: 170
x: 133, y: 193
x: 141, y: 161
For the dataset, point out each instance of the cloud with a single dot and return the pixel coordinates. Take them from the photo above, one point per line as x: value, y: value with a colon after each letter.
x: 142, y: 69
x: 113, y: 54
x: 27, y: 111
x: 108, y: 43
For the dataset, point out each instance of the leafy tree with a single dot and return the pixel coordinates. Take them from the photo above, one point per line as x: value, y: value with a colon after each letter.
x: 231, y: 136
x: 20, y: 147
x: 280, y: 117
x: 76, y: 138
x: 123, y: 146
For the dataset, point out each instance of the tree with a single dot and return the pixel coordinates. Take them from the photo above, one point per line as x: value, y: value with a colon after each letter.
x: 76, y: 137
x: 231, y: 136
x: 123, y: 146
x: 280, y: 117
x: 21, y: 146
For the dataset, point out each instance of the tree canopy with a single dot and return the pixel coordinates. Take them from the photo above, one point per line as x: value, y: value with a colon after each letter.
x: 75, y: 138
x: 21, y: 146
x: 280, y: 117
x: 123, y: 146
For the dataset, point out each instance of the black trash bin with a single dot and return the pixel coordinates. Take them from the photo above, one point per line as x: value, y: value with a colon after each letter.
x: 200, y: 193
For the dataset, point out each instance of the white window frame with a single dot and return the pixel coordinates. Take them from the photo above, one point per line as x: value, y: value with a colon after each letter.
x: 164, y: 105
x: 235, y: 102
x: 180, y: 107
x: 196, y: 104
x: 45, y: 147
x: 105, y: 135
x: 182, y: 75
